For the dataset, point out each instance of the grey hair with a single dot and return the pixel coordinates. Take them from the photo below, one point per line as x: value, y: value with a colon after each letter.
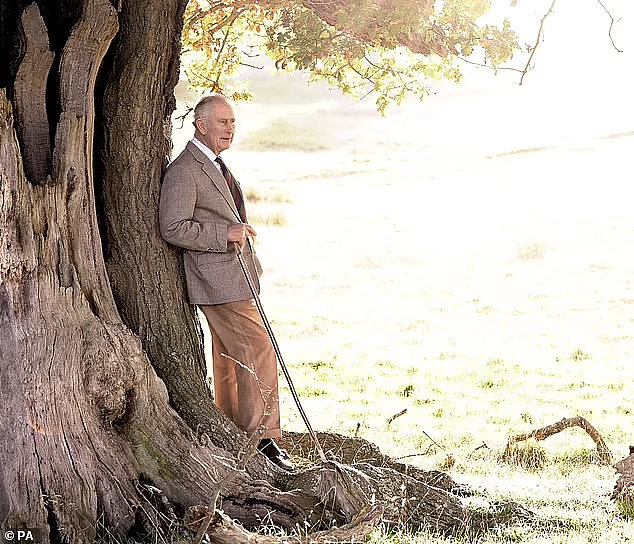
x: 205, y: 105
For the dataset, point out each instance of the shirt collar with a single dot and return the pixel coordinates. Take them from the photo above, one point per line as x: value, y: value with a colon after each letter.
x: 208, y: 152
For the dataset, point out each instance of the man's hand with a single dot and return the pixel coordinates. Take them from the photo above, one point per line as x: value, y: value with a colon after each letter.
x: 238, y: 233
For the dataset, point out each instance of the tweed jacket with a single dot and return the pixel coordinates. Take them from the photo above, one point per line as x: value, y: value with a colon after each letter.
x: 195, y: 210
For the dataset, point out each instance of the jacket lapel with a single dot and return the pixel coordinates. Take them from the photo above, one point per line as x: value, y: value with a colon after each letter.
x: 214, y: 175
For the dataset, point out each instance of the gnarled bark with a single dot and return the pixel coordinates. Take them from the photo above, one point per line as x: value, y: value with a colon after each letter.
x: 134, y: 134
x: 30, y: 97
x: 86, y: 416
x: 223, y: 530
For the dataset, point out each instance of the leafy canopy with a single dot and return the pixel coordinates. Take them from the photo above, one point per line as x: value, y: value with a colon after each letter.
x: 386, y: 48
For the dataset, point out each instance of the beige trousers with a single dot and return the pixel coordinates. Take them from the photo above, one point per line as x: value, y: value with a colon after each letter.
x: 245, y: 383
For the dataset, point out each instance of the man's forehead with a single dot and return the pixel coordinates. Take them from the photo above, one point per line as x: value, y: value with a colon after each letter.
x: 223, y: 111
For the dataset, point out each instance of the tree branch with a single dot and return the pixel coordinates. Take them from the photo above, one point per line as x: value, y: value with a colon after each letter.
x: 495, y: 68
x: 232, y: 19
x: 539, y: 37
x: 612, y: 21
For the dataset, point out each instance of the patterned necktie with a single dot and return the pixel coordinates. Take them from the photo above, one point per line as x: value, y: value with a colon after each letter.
x: 236, y: 193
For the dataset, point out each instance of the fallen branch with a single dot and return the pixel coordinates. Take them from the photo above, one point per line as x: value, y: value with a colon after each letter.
x: 541, y: 434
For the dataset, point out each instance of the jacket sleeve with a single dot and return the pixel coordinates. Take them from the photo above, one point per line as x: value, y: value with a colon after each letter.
x: 176, y: 214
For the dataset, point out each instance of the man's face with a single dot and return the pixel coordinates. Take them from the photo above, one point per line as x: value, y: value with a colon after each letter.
x: 217, y: 128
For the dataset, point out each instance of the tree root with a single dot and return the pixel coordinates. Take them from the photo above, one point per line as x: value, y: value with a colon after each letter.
x: 352, y: 451
x: 360, y: 489
x: 223, y: 530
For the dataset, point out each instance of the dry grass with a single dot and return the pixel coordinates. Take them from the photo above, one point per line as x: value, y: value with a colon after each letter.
x: 487, y: 290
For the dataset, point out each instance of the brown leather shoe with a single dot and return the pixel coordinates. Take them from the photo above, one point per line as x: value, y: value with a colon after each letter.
x: 275, y: 454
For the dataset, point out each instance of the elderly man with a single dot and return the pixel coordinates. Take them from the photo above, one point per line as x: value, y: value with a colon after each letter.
x: 202, y: 210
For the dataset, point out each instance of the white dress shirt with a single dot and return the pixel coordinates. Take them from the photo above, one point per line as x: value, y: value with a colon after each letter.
x: 212, y: 156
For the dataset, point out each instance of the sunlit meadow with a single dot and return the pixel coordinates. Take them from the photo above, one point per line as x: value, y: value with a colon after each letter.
x: 469, y: 259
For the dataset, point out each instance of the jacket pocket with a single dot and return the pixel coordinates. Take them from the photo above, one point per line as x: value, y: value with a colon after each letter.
x: 212, y: 258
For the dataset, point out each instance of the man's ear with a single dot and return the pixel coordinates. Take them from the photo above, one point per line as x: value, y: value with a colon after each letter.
x: 200, y: 125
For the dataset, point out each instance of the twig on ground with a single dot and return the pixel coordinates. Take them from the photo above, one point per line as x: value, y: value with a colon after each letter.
x: 433, y: 441
x: 402, y: 412
x: 426, y: 452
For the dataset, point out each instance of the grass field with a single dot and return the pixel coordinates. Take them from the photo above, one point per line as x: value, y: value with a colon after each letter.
x: 468, y: 259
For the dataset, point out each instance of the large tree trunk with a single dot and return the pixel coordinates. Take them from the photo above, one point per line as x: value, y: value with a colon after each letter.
x: 84, y: 416
x: 134, y: 135
x: 90, y: 436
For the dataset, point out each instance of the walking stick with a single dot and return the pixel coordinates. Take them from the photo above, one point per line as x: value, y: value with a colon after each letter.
x: 278, y: 353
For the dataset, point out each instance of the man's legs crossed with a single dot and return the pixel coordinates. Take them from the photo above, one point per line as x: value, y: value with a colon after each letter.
x: 245, y: 383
